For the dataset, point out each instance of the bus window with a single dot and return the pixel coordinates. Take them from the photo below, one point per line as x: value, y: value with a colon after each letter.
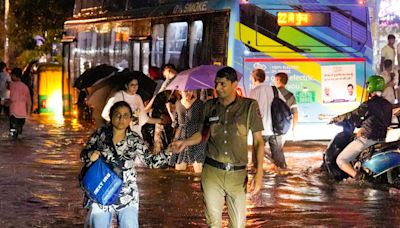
x: 120, y: 47
x: 158, y: 45
x: 145, y: 57
x: 136, y: 56
x: 86, y: 43
x: 196, y: 41
x: 102, y: 50
x: 176, y: 44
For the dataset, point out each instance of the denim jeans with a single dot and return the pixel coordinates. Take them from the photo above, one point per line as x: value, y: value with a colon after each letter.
x: 127, y: 217
x: 275, y: 143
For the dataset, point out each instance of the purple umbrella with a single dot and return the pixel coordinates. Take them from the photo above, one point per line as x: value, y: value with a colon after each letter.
x: 201, y: 77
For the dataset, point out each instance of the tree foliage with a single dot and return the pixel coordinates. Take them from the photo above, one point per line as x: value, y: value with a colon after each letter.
x: 29, y: 18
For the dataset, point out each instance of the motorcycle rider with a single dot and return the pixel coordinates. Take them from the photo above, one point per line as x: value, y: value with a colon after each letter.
x: 374, y: 116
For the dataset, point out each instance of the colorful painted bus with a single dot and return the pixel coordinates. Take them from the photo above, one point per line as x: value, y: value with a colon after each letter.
x: 324, y: 45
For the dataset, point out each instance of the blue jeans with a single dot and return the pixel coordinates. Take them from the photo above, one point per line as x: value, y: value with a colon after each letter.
x: 127, y: 217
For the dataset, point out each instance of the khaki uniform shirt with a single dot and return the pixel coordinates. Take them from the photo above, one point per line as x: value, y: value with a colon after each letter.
x: 229, y: 127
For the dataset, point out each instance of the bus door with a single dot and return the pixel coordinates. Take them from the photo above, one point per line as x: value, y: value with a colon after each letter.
x: 140, y: 55
x: 69, y: 44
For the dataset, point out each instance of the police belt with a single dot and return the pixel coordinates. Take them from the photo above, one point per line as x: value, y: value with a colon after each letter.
x: 223, y: 166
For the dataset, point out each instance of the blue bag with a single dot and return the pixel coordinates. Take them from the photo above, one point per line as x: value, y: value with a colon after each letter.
x: 101, y: 183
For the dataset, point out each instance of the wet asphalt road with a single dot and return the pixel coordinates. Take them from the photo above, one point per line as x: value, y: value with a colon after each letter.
x: 39, y: 187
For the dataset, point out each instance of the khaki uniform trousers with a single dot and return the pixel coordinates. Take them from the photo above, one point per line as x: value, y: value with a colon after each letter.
x: 218, y: 184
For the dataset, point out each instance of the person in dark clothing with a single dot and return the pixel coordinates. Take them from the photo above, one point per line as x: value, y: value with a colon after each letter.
x: 374, y: 116
x: 163, y: 133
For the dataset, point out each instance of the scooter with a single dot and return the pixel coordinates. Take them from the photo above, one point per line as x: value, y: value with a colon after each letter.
x: 380, y: 163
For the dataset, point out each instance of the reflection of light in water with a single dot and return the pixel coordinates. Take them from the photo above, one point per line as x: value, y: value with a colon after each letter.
x: 52, y: 200
x: 55, y: 162
x: 301, y: 193
x: 373, y: 194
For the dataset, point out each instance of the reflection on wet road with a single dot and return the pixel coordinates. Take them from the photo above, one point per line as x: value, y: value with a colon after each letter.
x: 39, y: 188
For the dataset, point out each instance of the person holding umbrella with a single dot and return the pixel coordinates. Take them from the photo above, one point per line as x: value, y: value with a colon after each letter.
x: 186, y: 120
x: 130, y: 96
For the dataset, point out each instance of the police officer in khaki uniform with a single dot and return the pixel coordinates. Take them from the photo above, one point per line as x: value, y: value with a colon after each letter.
x: 227, y: 120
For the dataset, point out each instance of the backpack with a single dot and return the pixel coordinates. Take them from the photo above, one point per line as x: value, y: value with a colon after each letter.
x: 280, y: 113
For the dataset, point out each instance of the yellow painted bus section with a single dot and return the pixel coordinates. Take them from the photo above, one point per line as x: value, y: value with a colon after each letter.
x: 274, y: 49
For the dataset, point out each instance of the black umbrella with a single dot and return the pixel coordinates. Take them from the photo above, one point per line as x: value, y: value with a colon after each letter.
x: 119, y: 79
x: 147, y: 86
x: 94, y: 74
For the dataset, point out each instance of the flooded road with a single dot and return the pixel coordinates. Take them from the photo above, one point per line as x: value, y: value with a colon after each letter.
x: 39, y: 188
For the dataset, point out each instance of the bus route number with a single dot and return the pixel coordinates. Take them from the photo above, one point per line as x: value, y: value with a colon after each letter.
x: 303, y: 19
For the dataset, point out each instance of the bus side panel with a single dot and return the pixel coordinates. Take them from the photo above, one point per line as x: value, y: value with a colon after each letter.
x: 326, y: 76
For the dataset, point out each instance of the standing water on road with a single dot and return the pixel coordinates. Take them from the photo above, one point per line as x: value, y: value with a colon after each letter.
x: 39, y: 188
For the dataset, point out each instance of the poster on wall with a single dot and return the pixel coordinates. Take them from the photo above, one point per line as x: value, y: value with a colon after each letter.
x: 307, y: 80
x: 338, y: 83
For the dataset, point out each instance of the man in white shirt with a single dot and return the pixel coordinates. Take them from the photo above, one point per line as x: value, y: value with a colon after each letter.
x: 388, y: 51
x: 264, y: 95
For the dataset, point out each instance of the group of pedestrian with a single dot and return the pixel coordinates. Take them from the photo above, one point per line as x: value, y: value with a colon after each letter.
x: 15, y: 99
x: 211, y: 136
x: 264, y: 95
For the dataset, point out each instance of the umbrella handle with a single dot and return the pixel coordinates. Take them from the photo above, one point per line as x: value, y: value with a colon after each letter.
x: 173, y: 91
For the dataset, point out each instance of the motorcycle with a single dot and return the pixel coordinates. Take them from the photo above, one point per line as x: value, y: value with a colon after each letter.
x: 378, y: 164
